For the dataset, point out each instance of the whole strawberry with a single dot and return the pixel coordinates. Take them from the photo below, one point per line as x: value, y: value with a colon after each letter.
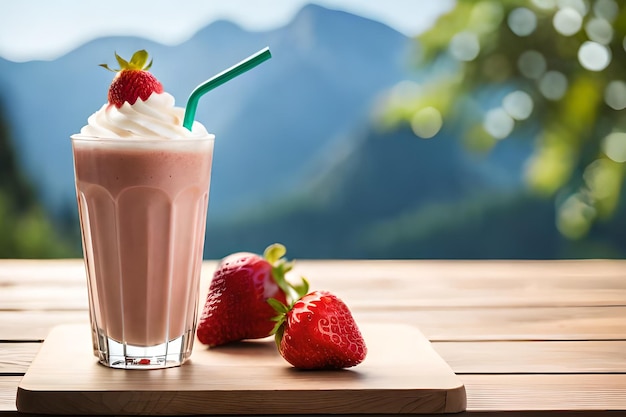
x: 236, y: 307
x: 318, y: 332
x: 133, y: 81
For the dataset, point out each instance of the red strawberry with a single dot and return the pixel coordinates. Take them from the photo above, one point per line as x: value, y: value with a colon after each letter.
x: 133, y: 80
x: 318, y: 332
x: 236, y: 307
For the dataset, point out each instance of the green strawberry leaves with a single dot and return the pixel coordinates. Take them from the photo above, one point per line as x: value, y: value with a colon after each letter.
x: 137, y: 62
x: 274, y: 252
x: 139, y: 59
x: 280, y: 318
x: 300, y: 289
x: 275, y: 255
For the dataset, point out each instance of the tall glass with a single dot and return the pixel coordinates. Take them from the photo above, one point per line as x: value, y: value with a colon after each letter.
x: 142, y: 205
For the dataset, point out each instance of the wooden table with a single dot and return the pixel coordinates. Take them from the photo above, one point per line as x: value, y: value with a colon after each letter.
x: 525, y: 337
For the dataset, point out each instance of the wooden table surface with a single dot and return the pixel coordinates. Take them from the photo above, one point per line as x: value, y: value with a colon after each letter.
x: 525, y: 337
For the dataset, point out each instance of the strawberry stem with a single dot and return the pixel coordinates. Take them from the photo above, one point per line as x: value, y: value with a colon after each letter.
x: 274, y: 254
x: 280, y: 318
x: 299, y: 290
x: 139, y: 59
x: 137, y: 62
x: 121, y: 61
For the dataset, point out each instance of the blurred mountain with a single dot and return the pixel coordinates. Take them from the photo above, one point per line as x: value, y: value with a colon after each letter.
x: 383, y: 194
x: 270, y: 123
x: 298, y: 158
x: 388, y: 194
x: 25, y: 229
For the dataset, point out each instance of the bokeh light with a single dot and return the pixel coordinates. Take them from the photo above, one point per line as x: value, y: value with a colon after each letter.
x: 544, y: 4
x: 574, y: 216
x: 486, y: 16
x: 518, y: 104
x: 594, y: 56
x: 498, y: 123
x: 465, y: 46
x: 601, y: 179
x: 522, y: 21
x: 553, y: 85
x: 614, y: 146
x: 567, y: 21
x: 599, y: 30
x: 426, y: 122
x: 532, y: 64
x: 606, y: 9
x: 562, y: 89
x: 615, y: 95
x: 405, y: 90
x: 579, y: 5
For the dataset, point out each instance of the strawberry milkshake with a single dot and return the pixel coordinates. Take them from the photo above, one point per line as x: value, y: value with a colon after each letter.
x: 142, y: 185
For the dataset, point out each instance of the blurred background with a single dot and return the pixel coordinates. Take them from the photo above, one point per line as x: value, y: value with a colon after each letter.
x: 388, y: 129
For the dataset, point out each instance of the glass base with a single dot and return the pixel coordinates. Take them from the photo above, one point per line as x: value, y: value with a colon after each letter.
x: 114, y: 354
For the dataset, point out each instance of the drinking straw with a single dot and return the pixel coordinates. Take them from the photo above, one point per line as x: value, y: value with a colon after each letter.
x: 219, y: 79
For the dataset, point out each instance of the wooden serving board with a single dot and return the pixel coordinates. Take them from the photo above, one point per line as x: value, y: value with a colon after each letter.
x: 401, y: 374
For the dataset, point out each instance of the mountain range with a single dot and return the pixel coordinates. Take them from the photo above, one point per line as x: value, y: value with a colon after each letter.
x: 299, y: 156
x: 270, y: 123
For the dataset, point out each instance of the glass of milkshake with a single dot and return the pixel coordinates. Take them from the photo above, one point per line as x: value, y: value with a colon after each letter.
x: 142, y: 186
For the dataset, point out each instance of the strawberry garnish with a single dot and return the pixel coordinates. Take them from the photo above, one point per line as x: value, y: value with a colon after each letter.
x: 236, y: 307
x: 133, y: 81
x: 318, y: 332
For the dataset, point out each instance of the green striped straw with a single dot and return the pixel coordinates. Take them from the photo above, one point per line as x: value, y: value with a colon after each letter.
x: 221, y: 78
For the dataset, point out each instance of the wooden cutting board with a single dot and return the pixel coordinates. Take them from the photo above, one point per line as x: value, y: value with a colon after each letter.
x: 401, y: 374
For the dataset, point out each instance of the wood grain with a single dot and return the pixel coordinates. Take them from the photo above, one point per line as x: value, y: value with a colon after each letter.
x: 401, y: 374
x: 545, y: 392
x: 398, y: 284
x: 534, y: 357
x: 555, y: 357
x: 8, y: 389
x: 523, y: 323
x: 526, y: 337
x: 49, y: 297
x: 35, y: 325
x: 406, y: 284
x: 493, y: 393
x: 607, y: 271
x: 16, y: 357
x: 449, y: 324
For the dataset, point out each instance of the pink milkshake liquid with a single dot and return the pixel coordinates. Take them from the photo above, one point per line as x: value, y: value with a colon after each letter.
x: 142, y: 206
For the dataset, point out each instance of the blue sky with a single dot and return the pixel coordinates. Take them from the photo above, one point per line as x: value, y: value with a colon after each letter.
x: 45, y: 29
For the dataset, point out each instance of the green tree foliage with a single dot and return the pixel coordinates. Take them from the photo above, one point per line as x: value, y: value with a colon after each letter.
x: 552, y: 71
x: 25, y: 231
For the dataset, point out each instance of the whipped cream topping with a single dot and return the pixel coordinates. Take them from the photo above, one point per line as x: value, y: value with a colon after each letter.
x: 157, y: 117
